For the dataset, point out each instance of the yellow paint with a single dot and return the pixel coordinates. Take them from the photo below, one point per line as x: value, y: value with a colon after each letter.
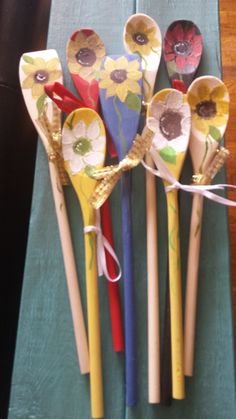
x: 84, y: 187
x: 177, y: 355
x: 176, y: 320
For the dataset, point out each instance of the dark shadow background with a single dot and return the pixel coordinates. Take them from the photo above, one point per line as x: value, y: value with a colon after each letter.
x: 23, y: 27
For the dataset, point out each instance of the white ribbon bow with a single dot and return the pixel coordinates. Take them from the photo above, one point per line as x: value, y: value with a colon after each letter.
x: 102, y: 245
x: 203, y: 190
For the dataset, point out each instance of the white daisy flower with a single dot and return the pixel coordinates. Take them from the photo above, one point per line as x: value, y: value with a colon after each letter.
x: 170, y: 122
x: 83, y: 146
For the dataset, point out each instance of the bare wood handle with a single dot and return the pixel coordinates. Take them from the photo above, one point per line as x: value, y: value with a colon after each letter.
x: 70, y: 270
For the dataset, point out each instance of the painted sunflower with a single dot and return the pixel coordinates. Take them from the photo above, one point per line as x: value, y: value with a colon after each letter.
x: 209, y: 109
x: 83, y: 146
x: 141, y: 38
x: 39, y: 73
x: 170, y: 121
x: 120, y: 77
x: 84, y: 54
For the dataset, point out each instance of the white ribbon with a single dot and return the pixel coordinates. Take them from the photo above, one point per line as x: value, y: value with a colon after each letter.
x: 102, y: 245
x: 203, y: 190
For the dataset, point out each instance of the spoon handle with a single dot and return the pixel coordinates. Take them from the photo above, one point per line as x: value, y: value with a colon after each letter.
x: 130, y: 342
x: 152, y: 285
x: 113, y: 287
x: 70, y: 270
x: 177, y: 355
x: 192, y: 283
x: 96, y: 386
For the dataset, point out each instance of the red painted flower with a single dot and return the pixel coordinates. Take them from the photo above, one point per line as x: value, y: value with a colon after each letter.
x: 183, y: 44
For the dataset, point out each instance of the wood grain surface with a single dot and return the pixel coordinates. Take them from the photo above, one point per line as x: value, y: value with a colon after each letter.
x: 228, y: 56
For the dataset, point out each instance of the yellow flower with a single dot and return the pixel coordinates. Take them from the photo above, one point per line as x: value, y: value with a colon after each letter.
x: 39, y: 73
x: 208, y: 107
x: 84, y: 55
x: 141, y: 38
x: 120, y: 77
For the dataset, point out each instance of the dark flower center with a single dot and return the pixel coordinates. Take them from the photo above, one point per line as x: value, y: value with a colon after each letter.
x: 140, y: 38
x: 206, y: 109
x: 182, y: 48
x: 170, y: 124
x: 82, y: 146
x: 41, y: 76
x: 86, y: 57
x: 118, y: 76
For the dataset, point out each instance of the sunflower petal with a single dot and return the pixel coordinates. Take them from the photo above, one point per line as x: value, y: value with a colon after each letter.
x: 29, y: 68
x: 111, y: 90
x: 133, y: 65
x: 200, y: 124
x: 109, y: 64
x: 54, y: 75
x: 133, y: 86
x: 106, y: 83
x: 52, y: 64
x: 37, y: 90
x: 218, y: 92
x: 203, y: 92
x: 40, y: 63
x: 192, y: 100
x: 28, y: 82
x: 122, y: 91
x: 121, y: 63
x: 134, y: 75
x: 222, y: 107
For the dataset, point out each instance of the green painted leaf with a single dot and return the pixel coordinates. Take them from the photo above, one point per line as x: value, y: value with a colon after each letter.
x: 215, y: 133
x: 168, y: 154
x: 89, y: 170
x: 28, y: 59
x: 40, y: 103
x: 171, y: 66
x: 133, y: 102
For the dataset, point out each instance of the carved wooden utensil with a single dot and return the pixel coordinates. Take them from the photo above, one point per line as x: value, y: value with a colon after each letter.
x: 209, y: 101
x: 169, y: 118
x: 142, y: 36
x: 120, y: 95
x: 83, y: 147
x: 35, y: 70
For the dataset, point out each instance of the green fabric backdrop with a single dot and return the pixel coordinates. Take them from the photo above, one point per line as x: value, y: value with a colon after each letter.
x: 46, y: 382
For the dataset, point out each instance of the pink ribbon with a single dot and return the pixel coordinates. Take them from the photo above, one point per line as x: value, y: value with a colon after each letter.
x: 102, y: 245
x: 203, y: 190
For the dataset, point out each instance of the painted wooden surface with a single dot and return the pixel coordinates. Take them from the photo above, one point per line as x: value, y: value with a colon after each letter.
x: 46, y: 381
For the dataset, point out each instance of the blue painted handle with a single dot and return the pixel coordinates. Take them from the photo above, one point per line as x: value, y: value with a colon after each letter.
x: 129, y: 306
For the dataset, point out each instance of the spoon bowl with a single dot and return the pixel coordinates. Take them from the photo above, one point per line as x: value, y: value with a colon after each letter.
x: 183, y: 48
x: 142, y: 36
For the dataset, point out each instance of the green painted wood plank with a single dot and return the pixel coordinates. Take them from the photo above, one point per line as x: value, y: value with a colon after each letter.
x: 46, y: 381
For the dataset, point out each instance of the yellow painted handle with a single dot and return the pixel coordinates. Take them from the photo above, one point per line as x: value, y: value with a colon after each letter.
x: 176, y: 318
x: 96, y: 385
x: 192, y: 283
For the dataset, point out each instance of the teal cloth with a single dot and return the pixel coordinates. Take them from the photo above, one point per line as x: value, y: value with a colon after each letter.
x: 46, y: 381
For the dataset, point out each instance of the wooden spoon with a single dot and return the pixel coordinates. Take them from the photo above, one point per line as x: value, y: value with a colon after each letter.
x: 182, y: 52
x: 169, y: 117
x: 35, y: 70
x: 120, y: 95
x: 85, y: 51
x: 209, y: 101
x: 83, y: 146
x: 142, y: 36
